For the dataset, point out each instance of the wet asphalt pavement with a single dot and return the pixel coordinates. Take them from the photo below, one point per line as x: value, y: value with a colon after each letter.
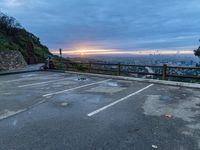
x: 49, y: 111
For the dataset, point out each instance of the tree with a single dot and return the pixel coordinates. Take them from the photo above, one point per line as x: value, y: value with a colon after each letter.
x: 197, y: 51
x: 9, y: 24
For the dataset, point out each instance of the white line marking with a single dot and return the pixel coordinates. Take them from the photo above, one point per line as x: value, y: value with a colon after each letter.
x: 118, y: 101
x: 39, y: 83
x: 75, y: 88
x: 8, y: 113
x: 23, y: 79
x: 19, y: 80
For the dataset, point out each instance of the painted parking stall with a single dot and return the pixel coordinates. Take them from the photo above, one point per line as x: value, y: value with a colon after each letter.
x: 73, y: 111
x: 21, y: 97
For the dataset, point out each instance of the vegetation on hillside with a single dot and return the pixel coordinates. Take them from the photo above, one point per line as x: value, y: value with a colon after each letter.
x: 14, y: 37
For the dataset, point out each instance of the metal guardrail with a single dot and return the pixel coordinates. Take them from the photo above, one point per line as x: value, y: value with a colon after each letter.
x: 163, y: 72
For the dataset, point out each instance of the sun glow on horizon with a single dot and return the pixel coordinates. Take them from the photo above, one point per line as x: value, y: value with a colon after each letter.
x: 88, y: 52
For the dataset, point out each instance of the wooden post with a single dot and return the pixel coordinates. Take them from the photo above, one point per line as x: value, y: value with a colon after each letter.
x: 44, y: 58
x: 89, y: 67
x: 66, y: 65
x: 119, y: 69
x: 164, y: 72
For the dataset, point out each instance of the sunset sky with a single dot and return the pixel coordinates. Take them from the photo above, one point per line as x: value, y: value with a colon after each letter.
x: 110, y: 26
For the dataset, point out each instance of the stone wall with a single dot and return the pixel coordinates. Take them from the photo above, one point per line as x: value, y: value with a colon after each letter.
x: 11, y: 60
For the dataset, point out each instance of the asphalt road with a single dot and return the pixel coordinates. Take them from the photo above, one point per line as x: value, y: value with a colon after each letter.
x: 60, y: 111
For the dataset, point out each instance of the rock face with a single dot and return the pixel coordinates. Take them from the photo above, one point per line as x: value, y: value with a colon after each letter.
x: 11, y: 60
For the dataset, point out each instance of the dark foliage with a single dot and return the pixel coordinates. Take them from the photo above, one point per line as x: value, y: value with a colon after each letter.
x: 197, y: 52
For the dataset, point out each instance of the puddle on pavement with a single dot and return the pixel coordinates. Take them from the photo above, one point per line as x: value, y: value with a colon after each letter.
x: 29, y: 75
x: 110, y: 87
x: 125, y: 84
x: 61, y: 104
x: 117, y: 84
x: 57, y: 86
x: 104, y: 89
x: 64, y: 104
x: 113, y: 84
x: 3, y: 94
x: 165, y: 98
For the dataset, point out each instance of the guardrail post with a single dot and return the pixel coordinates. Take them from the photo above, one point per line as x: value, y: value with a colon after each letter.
x: 164, y: 72
x: 66, y: 66
x: 119, y: 69
x: 89, y: 67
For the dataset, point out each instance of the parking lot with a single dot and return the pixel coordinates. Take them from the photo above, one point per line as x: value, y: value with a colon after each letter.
x: 64, y: 111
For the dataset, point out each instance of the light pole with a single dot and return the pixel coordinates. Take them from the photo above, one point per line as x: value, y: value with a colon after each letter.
x: 60, y: 51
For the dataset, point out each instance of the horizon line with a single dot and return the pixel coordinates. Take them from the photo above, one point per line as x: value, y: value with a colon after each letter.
x: 93, y: 52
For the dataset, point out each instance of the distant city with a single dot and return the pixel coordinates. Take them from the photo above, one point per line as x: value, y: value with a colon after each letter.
x: 171, y: 60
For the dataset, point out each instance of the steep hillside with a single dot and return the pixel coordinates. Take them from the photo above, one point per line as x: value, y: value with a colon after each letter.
x: 14, y: 37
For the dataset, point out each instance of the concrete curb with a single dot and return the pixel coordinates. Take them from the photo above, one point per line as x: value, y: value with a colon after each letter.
x: 172, y: 83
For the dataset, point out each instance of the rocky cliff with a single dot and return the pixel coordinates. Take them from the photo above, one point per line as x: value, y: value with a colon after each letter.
x: 11, y: 60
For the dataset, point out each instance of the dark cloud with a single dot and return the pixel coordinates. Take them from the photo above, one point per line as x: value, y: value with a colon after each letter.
x: 116, y: 24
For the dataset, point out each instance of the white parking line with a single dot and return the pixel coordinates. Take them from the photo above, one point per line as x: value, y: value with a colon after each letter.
x: 22, y: 79
x: 75, y: 88
x: 39, y: 83
x: 7, y: 113
x: 118, y: 101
